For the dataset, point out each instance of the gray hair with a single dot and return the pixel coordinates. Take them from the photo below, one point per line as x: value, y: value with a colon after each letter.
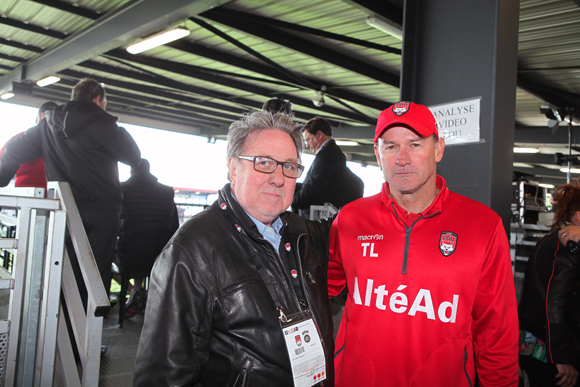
x: 241, y: 130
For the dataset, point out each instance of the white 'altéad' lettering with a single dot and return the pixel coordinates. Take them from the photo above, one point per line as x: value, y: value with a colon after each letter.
x: 398, y: 302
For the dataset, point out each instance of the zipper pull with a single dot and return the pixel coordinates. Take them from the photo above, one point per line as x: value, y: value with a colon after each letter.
x: 303, y: 305
x: 309, y: 274
x: 282, y: 317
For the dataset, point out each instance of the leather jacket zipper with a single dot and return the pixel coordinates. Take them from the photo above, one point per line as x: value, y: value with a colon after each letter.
x: 307, y: 294
x: 281, y: 270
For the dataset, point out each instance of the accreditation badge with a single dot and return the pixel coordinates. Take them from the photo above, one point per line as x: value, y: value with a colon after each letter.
x: 305, y: 349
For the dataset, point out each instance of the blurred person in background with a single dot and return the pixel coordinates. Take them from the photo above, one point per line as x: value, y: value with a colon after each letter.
x: 148, y: 220
x: 328, y: 180
x: 31, y: 173
x: 549, y: 307
x: 276, y: 105
x: 81, y: 144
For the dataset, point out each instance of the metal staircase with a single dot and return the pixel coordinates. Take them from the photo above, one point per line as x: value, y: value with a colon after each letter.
x: 46, y: 327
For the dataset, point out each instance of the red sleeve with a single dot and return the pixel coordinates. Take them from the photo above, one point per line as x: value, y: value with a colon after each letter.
x: 495, y: 320
x: 336, y: 276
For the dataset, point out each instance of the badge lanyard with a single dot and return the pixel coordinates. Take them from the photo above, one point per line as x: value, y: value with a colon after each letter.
x: 302, y: 339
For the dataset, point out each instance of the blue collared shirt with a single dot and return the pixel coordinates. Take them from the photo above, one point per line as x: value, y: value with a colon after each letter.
x: 271, y: 234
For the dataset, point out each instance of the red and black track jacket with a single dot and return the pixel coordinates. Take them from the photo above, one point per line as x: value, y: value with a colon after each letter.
x: 431, y: 296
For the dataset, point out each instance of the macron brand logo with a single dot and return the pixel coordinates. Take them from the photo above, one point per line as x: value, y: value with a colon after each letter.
x: 375, y: 237
x: 398, y: 301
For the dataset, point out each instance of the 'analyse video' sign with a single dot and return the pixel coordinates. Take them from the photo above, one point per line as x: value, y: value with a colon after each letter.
x: 458, y: 122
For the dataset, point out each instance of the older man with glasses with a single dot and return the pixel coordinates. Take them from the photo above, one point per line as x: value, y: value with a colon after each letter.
x: 238, y: 297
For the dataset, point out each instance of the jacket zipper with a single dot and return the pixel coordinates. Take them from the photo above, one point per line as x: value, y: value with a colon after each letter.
x: 280, y: 268
x: 465, y: 359
x: 408, y: 236
x: 307, y: 293
x: 285, y: 275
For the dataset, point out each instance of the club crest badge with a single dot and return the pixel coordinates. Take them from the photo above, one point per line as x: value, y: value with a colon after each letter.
x: 294, y: 273
x: 298, y: 340
x: 401, y: 108
x: 223, y: 206
x: 287, y: 246
x: 447, y: 243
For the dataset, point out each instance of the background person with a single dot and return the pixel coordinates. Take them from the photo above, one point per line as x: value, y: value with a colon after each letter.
x: 431, y: 296
x: 548, y: 310
x: 328, y: 180
x: 275, y: 105
x: 82, y: 145
x: 148, y: 220
x: 31, y: 173
x: 222, y: 286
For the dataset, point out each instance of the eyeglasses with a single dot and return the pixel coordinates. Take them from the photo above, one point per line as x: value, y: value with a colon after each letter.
x: 268, y: 165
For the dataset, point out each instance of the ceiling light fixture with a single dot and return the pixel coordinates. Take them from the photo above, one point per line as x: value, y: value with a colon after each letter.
x: 522, y: 165
x: 572, y: 170
x: 526, y: 150
x: 47, y: 81
x: 158, y: 40
x: 546, y: 185
x: 346, y: 143
x: 319, y: 100
x: 7, y: 95
x: 386, y: 26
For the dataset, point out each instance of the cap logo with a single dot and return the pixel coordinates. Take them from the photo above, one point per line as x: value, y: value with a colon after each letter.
x: 401, y: 108
x: 447, y: 243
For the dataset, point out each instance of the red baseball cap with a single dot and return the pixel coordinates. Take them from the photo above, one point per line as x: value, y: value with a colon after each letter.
x: 418, y: 117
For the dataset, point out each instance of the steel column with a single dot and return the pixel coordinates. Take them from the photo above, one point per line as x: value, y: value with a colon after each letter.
x: 461, y: 49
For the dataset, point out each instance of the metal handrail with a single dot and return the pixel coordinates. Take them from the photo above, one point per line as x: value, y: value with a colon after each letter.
x: 38, y: 332
x: 25, y: 285
x: 86, y: 324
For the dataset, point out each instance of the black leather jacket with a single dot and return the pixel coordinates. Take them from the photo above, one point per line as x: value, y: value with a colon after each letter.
x: 210, y: 320
x: 549, y: 298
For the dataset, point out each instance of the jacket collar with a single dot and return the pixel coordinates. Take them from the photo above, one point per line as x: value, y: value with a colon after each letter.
x: 330, y: 140
x: 143, y: 178
x: 433, y: 209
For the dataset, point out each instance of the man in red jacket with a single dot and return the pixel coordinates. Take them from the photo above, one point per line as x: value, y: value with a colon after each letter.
x: 31, y: 173
x: 431, y: 298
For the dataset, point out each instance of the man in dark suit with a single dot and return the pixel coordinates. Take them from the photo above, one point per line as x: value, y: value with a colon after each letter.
x: 328, y: 180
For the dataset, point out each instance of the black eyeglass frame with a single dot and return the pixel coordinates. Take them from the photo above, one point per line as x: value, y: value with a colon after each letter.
x: 299, y: 167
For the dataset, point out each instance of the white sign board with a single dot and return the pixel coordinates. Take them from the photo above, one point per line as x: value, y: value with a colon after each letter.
x: 458, y: 122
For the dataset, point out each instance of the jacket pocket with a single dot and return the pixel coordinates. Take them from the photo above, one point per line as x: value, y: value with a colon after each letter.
x: 352, y: 366
x: 456, y: 357
x: 242, y: 374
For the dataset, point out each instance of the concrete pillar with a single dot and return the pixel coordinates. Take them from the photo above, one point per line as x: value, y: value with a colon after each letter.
x: 462, y: 49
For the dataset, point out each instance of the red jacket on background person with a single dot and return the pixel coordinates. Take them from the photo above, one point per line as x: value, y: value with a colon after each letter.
x: 431, y: 296
x: 31, y: 173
